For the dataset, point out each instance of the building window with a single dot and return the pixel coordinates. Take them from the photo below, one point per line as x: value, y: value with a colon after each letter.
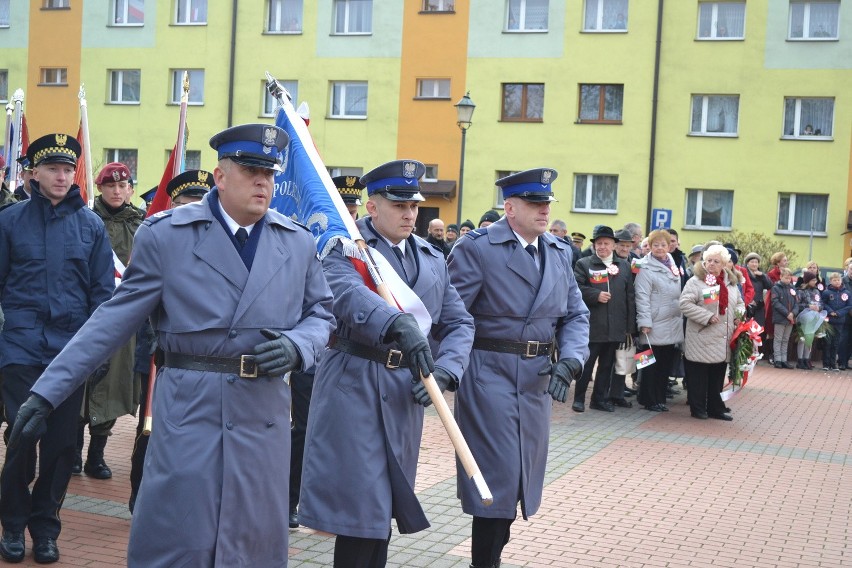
x: 128, y: 157
x: 601, y: 103
x: 124, y: 86
x: 595, y: 193
x: 335, y: 171
x: 353, y: 16
x: 4, y: 85
x: 349, y: 99
x: 802, y: 213
x: 128, y: 12
x: 54, y: 76
x: 715, y: 115
x: 526, y: 15
x: 270, y: 103
x: 191, y: 161
x: 439, y: 5
x: 813, y: 20
x: 4, y: 13
x: 431, y: 173
x: 433, y: 88
x: 56, y: 4
x: 285, y: 16
x: 190, y: 12
x: 523, y: 102
x: 196, y: 86
x: 499, y: 202
x: 605, y: 15
x: 808, y: 118
x: 721, y: 20
x: 709, y: 209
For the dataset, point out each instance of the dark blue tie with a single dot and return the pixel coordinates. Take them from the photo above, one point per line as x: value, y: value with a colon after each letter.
x: 242, y: 236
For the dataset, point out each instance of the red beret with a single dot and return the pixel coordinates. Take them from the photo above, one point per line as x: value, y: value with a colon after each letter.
x: 113, y: 171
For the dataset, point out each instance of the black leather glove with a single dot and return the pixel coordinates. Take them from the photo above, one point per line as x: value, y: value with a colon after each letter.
x: 412, y: 343
x: 443, y: 377
x: 31, y: 421
x: 561, y: 374
x: 277, y: 356
x: 98, y: 375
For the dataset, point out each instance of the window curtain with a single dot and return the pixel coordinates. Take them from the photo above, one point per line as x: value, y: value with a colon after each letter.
x: 605, y: 192
x: 4, y: 12
x: 722, y: 113
x: 730, y: 20
x: 805, y: 206
x: 535, y: 102
x: 716, y: 208
x: 823, y: 19
x: 285, y: 15
x: 819, y: 114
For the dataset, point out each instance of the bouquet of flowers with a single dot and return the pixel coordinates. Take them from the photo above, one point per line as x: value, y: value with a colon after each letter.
x: 745, y: 353
x: 810, y: 324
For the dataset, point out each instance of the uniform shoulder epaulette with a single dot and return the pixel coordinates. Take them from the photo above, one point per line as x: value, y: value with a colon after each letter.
x: 476, y: 233
x: 157, y: 217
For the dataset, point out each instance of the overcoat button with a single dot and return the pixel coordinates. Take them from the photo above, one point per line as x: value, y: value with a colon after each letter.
x: 270, y: 424
x: 385, y: 397
x: 229, y: 425
x: 232, y: 334
x: 232, y: 379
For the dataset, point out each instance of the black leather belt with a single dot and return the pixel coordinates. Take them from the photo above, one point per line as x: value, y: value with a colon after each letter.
x: 527, y: 349
x: 244, y: 365
x: 390, y: 358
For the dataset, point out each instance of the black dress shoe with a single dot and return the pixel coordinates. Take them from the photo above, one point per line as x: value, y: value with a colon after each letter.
x: 622, y: 403
x: 77, y: 466
x: 779, y: 365
x: 294, y: 518
x: 629, y: 390
x: 605, y: 406
x: 578, y: 406
x: 726, y: 417
x: 12, y: 546
x: 700, y: 415
x: 663, y: 408
x: 45, y: 550
x: 98, y: 470
x: 653, y: 407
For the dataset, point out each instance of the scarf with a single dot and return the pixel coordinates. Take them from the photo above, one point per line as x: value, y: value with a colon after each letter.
x: 723, y: 294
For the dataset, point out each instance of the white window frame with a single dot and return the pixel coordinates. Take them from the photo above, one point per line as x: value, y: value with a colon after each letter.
x: 337, y: 171
x: 424, y: 86
x: 699, y: 205
x: 54, y: 77
x: 705, y: 104
x: 344, y: 4
x: 431, y: 174
x: 499, y: 202
x: 4, y: 94
x: 438, y: 6
x: 522, y: 15
x: 599, y: 19
x: 269, y: 104
x: 589, y: 193
x: 117, y: 76
x: 798, y: 129
x: 791, y: 214
x: 806, y: 22
x: 175, y: 87
x: 344, y: 86
x: 275, y: 10
x: 4, y: 13
x: 714, y: 22
x: 114, y: 155
x: 187, y: 6
x: 56, y: 4
x: 114, y: 7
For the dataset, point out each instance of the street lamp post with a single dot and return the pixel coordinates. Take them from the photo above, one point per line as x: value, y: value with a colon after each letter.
x: 464, y: 113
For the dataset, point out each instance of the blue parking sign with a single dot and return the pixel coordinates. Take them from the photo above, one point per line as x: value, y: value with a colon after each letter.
x: 661, y: 218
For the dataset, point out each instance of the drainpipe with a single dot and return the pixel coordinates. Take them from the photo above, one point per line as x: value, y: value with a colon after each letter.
x: 654, y: 104
x: 232, y: 62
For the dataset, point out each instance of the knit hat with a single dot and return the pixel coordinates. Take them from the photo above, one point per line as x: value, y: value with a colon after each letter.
x: 734, y: 256
x: 491, y: 216
x: 750, y: 256
x: 807, y: 276
x: 467, y: 223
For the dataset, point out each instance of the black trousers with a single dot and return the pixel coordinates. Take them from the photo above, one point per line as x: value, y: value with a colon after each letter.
x: 354, y: 552
x: 655, y: 378
x: 488, y: 537
x: 705, y: 387
x: 301, y: 387
x: 604, y: 354
x: 39, y: 510
x: 140, y: 444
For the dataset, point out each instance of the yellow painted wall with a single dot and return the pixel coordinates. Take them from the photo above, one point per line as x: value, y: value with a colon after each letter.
x: 54, y: 41
x: 434, y: 47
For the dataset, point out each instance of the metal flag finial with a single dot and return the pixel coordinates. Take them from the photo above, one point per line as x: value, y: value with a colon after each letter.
x: 276, y: 89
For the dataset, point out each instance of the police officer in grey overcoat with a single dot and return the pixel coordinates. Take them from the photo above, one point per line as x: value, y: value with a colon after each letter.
x: 516, y: 281
x: 366, y: 418
x: 237, y: 298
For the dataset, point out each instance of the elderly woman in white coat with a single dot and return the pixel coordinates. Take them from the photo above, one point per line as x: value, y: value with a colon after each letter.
x: 710, y: 301
x: 658, y: 318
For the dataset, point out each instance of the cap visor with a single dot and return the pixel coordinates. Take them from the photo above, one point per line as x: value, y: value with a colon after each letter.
x: 58, y: 160
x: 542, y: 198
x: 402, y: 197
x: 255, y: 163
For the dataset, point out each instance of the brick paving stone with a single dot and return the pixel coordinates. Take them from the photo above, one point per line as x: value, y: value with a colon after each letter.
x: 630, y: 488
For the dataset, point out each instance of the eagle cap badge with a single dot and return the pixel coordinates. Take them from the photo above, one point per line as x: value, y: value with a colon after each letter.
x: 409, y: 169
x: 546, y: 176
x: 61, y: 139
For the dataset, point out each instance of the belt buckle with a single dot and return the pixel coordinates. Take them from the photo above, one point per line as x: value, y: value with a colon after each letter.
x: 248, y: 368
x: 394, y: 359
x: 532, y: 345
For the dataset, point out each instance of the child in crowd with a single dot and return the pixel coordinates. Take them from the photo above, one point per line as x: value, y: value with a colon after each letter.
x: 785, y: 307
x: 809, y: 298
x: 838, y: 303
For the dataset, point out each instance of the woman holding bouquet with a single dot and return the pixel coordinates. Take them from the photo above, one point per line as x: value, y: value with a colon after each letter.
x: 711, y: 303
x: 660, y: 322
